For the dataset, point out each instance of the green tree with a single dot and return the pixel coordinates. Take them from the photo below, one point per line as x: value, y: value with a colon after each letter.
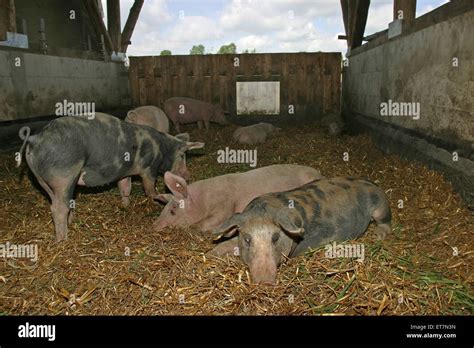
x: 197, y: 49
x: 165, y: 53
x: 251, y: 51
x: 226, y: 49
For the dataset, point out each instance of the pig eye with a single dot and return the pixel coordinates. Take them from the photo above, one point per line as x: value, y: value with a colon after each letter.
x: 247, y: 239
x: 275, y: 237
x: 174, y: 207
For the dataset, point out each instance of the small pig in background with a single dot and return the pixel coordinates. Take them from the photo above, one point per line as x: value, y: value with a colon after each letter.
x: 208, y: 203
x: 182, y: 110
x: 333, y: 123
x: 75, y: 150
x: 150, y: 116
x: 286, y: 224
x: 254, y: 134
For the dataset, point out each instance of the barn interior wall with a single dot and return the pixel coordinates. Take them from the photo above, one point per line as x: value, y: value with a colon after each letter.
x: 56, y: 14
x: 31, y: 84
x: 419, y: 68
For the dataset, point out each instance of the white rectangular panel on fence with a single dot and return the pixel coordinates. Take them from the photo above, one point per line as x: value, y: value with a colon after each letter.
x: 258, y: 98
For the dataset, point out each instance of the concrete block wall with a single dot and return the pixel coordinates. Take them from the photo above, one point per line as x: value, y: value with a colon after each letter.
x: 418, y: 68
x: 33, y: 88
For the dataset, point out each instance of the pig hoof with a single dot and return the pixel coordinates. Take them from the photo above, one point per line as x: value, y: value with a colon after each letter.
x: 61, y: 237
x: 382, y: 231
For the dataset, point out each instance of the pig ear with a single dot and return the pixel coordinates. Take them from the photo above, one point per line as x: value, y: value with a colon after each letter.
x: 228, y: 228
x: 183, y: 137
x: 289, y: 226
x: 131, y: 115
x: 177, y: 185
x: 164, y: 197
x: 194, y: 145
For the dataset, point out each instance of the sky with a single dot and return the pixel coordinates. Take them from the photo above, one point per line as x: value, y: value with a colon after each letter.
x: 264, y: 25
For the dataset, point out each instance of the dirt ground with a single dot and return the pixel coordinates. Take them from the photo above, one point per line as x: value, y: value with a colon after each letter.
x: 114, y: 264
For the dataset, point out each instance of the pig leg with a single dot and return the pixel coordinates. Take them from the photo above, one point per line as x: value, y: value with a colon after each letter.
x: 149, y: 186
x: 125, y: 187
x: 206, y: 124
x: 59, y: 208
x: 63, y: 192
x: 229, y: 247
x: 382, y: 217
x: 70, y: 217
x: 199, y: 124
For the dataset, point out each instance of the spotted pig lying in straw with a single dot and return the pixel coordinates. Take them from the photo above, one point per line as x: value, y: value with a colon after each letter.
x: 286, y: 224
x: 208, y: 203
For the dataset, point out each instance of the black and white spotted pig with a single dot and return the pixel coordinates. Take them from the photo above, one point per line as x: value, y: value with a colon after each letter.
x: 288, y: 223
x: 77, y: 150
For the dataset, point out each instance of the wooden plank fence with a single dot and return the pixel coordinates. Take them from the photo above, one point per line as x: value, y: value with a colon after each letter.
x: 310, y: 82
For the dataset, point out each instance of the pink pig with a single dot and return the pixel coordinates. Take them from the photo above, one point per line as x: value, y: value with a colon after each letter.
x: 210, y: 202
x: 254, y: 134
x: 151, y: 116
x: 182, y: 110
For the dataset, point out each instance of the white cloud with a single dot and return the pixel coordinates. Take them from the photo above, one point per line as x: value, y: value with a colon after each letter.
x: 194, y: 29
x: 266, y: 25
x: 250, y: 42
x: 380, y: 14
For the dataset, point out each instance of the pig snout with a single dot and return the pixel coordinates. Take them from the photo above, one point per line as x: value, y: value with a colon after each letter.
x: 263, y: 272
x: 158, y: 225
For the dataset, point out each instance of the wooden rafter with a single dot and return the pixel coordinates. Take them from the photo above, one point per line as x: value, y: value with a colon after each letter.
x: 113, y: 23
x: 408, y: 8
x: 360, y: 20
x: 354, y: 14
x: 7, y: 18
x: 98, y: 23
x: 130, y: 24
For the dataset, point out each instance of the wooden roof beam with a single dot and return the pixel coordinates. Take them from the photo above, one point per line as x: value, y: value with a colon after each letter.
x: 405, y: 9
x: 113, y: 24
x: 359, y: 22
x: 98, y: 23
x: 7, y: 18
x: 130, y: 24
x: 345, y: 16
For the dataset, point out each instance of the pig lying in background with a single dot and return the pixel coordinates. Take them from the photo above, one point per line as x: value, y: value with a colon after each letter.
x: 323, y: 211
x: 333, y: 123
x: 182, y: 110
x: 254, y: 134
x: 75, y: 150
x: 150, y: 116
x: 208, y: 203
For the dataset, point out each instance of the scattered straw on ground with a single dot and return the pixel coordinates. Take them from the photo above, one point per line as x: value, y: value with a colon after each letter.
x: 113, y: 263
